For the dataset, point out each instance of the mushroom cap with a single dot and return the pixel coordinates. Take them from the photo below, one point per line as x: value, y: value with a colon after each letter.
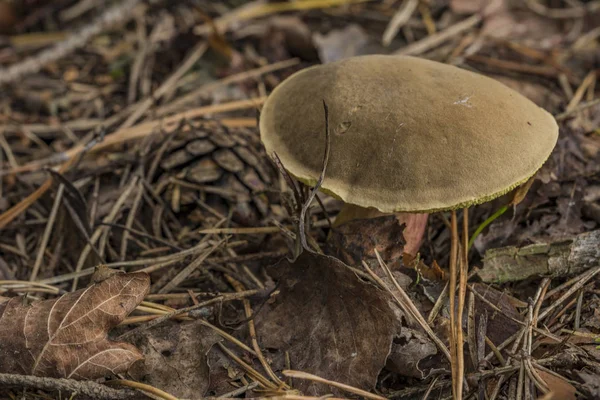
x: 407, y: 134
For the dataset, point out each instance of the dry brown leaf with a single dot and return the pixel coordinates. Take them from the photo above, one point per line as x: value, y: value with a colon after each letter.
x: 591, y: 384
x: 431, y: 273
x: 500, y: 327
x: 408, y: 351
x: 560, y: 389
x: 355, y: 240
x: 332, y: 324
x: 67, y: 337
x: 175, y: 358
x: 225, y: 374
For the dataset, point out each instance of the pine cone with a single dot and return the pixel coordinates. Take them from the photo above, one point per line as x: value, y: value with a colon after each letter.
x: 209, y: 169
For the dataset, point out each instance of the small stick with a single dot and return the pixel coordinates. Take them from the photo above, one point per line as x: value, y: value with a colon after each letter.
x: 252, y: 330
x: 47, y: 232
x: 251, y: 371
x: 451, y: 293
x: 315, y: 378
x: 83, y: 388
x: 313, y: 193
x: 584, y: 278
x: 161, y: 394
x: 462, y: 292
x: 406, y: 303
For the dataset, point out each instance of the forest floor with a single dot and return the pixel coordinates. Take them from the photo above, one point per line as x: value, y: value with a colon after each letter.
x: 129, y: 142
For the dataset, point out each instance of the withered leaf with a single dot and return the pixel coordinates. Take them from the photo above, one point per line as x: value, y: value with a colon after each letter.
x: 67, y: 337
x: 591, y: 384
x: 175, y: 357
x: 499, y: 326
x: 432, y: 273
x: 332, y: 324
x: 408, y: 351
x: 355, y: 240
x: 560, y: 388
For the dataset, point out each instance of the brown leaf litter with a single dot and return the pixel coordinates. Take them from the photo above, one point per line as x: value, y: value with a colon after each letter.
x: 67, y: 337
x: 322, y: 315
x: 175, y: 357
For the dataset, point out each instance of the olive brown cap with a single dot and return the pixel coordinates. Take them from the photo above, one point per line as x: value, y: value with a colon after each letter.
x: 407, y: 134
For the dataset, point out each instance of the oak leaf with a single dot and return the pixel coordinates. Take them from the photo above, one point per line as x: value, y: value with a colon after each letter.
x: 67, y: 337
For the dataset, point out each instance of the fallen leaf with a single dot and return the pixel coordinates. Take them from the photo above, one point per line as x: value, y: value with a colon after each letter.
x: 593, y: 321
x: 67, y: 337
x: 559, y: 387
x: 591, y: 384
x: 355, y: 240
x: 331, y: 323
x: 176, y: 359
x: 225, y: 374
x: 410, y: 348
x: 431, y: 273
x: 584, y: 340
x: 499, y: 327
x: 355, y: 236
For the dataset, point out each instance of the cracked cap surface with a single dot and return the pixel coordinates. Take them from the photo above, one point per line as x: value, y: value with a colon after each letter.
x: 407, y: 134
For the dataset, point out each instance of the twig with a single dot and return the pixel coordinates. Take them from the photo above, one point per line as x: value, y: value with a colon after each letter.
x: 583, y: 279
x: 580, y: 107
x: 47, y: 232
x: 313, y: 193
x: 315, y: 378
x: 436, y: 39
x: 181, y: 311
x: 85, y: 388
x: 184, y: 273
x: 117, y: 14
x: 237, y: 392
x: 102, y: 229
x: 188, y: 63
x: 207, y: 88
x: 405, y: 302
x: 142, y: 130
x: 462, y: 292
x: 257, y: 9
x: 251, y: 371
x: 562, y: 13
x: 400, y: 18
x: 452, y: 293
x: 252, y: 330
x: 144, y: 388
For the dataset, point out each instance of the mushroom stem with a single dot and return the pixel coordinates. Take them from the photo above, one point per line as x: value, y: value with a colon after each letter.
x: 462, y: 292
x: 452, y: 292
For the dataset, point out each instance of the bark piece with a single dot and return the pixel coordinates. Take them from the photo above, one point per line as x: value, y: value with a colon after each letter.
x: 561, y: 258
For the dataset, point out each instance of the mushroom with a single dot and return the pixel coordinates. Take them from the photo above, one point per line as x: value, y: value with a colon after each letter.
x: 409, y: 135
